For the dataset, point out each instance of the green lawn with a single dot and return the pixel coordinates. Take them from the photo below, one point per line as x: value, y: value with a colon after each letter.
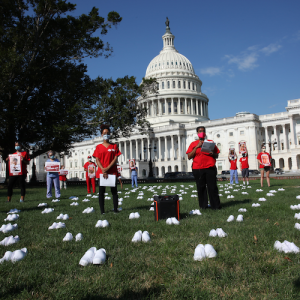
x: 245, y: 268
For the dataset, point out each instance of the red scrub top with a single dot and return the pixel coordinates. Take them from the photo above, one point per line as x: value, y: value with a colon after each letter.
x: 233, y: 165
x: 106, y: 156
x: 202, y: 160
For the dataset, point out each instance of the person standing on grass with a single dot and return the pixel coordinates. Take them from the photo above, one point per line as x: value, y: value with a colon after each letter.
x: 106, y: 155
x: 90, y: 175
x: 264, y: 159
x: 62, y: 179
x: 20, y: 178
x: 52, y: 177
x: 244, y: 167
x: 233, y: 167
x: 133, y: 171
x: 205, y: 171
x: 120, y: 179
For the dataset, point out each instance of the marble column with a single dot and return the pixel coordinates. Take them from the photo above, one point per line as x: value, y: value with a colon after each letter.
x: 185, y: 106
x: 159, y: 149
x: 125, y: 147
x: 197, y: 107
x: 172, y: 147
x: 136, y: 149
x: 179, y: 147
x: 130, y: 150
x: 292, y: 133
x: 178, y: 106
x: 284, y: 138
x: 166, y: 148
x: 266, y: 135
x: 142, y: 149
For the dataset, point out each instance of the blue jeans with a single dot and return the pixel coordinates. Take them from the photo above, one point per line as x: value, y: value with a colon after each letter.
x: 234, y: 172
x: 134, y: 180
x: 54, y: 180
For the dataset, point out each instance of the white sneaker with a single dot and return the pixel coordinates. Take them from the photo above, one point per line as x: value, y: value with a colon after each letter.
x: 213, y: 233
x: 137, y: 237
x: 18, y: 255
x: 89, y: 195
x: 221, y: 232
x: 175, y: 221
x: 199, y: 253
x: 210, y: 252
x: 78, y: 237
x: 146, y: 237
x: 136, y: 215
x: 68, y: 237
x: 105, y: 223
x: 230, y: 218
x: 100, y: 257
x: 99, y: 224
x: 88, y: 257
x: 132, y: 216
x: 7, y: 256
x: 240, y: 218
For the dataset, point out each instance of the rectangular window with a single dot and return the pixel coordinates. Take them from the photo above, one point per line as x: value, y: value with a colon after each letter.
x: 168, y: 84
x: 219, y: 166
x: 82, y: 175
x: 71, y: 164
x: 193, y: 86
x: 175, y: 106
x: 230, y: 133
x: 169, y: 104
x: 242, y: 132
x: 163, y: 85
x: 189, y: 85
x: 272, y: 131
x: 281, y: 130
x: 184, y: 84
x: 173, y: 84
x: 179, y: 85
x: 157, y: 85
x: 75, y: 164
x: 282, y: 146
x: 163, y: 108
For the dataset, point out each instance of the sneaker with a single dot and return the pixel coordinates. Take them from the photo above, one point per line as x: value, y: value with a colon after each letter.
x: 21, y: 200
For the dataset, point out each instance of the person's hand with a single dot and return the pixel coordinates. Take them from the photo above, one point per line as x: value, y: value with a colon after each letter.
x: 6, y: 158
x: 22, y: 157
x: 199, y: 144
x: 104, y: 170
x: 105, y: 175
x: 211, y: 153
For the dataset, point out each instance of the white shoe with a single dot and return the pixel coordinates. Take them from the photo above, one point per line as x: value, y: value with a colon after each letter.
x: 42, y: 204
x: 131, y: 216
x: 210, y: 252
x: 136, y: 215
x: 169, y: 221
x: 146, y: 237
x: 242, y: 210
x: 137, y: 237
x: 74, y: 204
x: 68, y: 237
x: 230, y: 218
x: 7, y: 256
x: 78, y: 237
x: 100, y: 257
x: 9, y: 228
x: 199, y: 253
x: 88, y: 257
x: 175, y: 221
x: 213, y: 233
x: 240, y: 218
x: 99, y: 224
x: 105, y: 223
x: 60, y: 225
x: 18, y: 255
x: 221, y: 233
x: 53, y: 226
x: 12, y: 217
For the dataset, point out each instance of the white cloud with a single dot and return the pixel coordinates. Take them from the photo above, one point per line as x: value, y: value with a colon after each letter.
x: 211, y: 71
x: 270, y: 49
x: 245, y: 61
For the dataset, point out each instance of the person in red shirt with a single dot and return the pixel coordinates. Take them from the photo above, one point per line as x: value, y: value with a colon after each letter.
x: 63, y: 179
x: 264, y: 159
x: 106, y: 155
x: 233, y: 166
x: 205, y: 171
x: 244, y: 167
x: 90, y: 175
x: 22, y: 176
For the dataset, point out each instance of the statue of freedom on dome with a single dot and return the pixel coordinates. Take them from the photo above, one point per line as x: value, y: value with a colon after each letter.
x: 167, y: 22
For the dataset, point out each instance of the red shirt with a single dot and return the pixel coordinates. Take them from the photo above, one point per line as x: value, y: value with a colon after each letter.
x: 63, y: 177
x: 86, y: 166
x: 25, y: 159
x: 106, y: 156
x: 244, y: 162
x: 233, y: 164
x: 202, y: 160
x: 259, y: 157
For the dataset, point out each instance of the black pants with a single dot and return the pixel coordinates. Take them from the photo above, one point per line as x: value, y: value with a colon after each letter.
x: 207, y: 177
x: 11, y: 182
x: 114, y: 192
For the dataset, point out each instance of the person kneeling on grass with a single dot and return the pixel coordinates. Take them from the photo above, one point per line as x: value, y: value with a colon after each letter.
x: 244, y: 167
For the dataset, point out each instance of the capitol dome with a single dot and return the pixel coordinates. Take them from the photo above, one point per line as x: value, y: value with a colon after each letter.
x: 179, y: 97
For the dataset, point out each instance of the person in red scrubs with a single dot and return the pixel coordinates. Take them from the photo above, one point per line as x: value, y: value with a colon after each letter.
x: 21, y: 178
x: 90, y: 168
x: 264, y: 159
x: 205, y: 171
x: 106, y: 155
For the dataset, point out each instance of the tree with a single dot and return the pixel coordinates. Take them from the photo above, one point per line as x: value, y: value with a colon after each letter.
x: 45, y: 93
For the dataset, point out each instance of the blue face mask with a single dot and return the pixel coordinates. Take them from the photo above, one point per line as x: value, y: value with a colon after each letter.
x: 17, y: 147
x: 106, y: 136
x: 52, y: 156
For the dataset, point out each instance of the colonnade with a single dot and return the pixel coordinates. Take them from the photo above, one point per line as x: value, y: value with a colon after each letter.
x: 176, y: 105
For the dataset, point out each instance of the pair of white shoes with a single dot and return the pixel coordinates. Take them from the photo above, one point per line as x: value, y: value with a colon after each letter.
x: 270, y: 194
x: 242, y: 210
x: 102, y: 224
x: 259, y: 190
x: 42, y: 204
x: 297, y: 226
x: 55, y: 200
x: 57, y: 225
x: 47, y: 210
x: 69, y: 237
x: 238, y: 219
x: 63, y: 217
x: 74, y: 198
x: 14, y: 211
x: 262, y: 199
x: 255, y: 205
x: 272, y: 191
x: 94, y: 196
x: 297, y: 216
x: 298, y: 197
x: 139, y: 197
x: 281, y: 189
x: 141, y: 236
x: 107, y: 198
x: 89, y: 195
x: 94, y: 256
x: 12, y: 217
x: 230, y: 196
x: 74, y: 204
x: 172, y: 221
x: 218, y: 232
x: 7, y: 228
x: 86, y: 200
x: 245, y: 193
x: 194, y: 196
x: 135, y: 215
x: 9, y: 240
x: 294, y: 207
x: 14, y: 256
x: 286, y: 247
x: 206, y: 251
x: 88, y: 210
x: 195, y: 212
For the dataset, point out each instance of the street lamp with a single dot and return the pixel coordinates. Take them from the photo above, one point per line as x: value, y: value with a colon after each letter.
x: 270, y: 143
x: 150, y: 161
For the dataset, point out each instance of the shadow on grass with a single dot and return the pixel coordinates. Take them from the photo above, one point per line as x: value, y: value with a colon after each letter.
x: 234, y: 203
x: 297, y: 284
x: 128, y: 294
x: 24, y: 209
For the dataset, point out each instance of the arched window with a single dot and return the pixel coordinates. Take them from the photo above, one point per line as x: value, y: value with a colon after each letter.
x: 71, y: 164
x: 179, y: 85
x: 82, y: 162
x: 173, y: 84
x: 219, y: 147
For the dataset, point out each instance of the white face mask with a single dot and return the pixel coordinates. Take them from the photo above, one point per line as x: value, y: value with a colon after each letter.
x: 90, y: 159
x: 106, y: 136
x: 263, y: 150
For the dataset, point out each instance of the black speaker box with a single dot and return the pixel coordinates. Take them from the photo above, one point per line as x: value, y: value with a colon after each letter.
x: 166, y: 206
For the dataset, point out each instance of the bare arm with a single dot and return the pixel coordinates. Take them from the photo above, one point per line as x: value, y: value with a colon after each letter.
x: 193, y: 153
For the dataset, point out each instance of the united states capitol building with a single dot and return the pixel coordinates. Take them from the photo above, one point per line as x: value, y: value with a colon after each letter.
x: 176, y: 111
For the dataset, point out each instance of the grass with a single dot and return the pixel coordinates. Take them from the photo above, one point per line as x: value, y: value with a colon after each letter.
x: 245, y: 268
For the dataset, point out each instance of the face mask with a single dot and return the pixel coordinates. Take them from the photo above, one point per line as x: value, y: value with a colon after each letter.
x: 106, y: 136
x: 263, y: 150
x: 17, y: 147
x: 90, y: 159
x: 201, y: 135
x: 52, y: 156
x: 243, y: 154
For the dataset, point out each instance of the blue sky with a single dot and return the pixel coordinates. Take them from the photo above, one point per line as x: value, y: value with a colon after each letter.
x: 247, y: 53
